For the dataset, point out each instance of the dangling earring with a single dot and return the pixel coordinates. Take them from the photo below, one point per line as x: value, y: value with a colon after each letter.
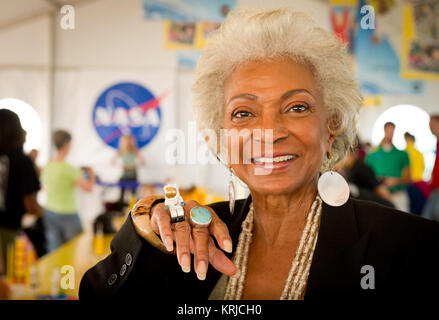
x: 232, y: 191
x: 333, y: 188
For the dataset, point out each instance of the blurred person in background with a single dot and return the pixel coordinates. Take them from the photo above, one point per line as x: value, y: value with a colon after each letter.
x: 431, y: 209
x: 363, y: 183
x: 61, y: 219
x: 130, y: 158
x: 415, y: 189
x: 33, y: 155
x: 416, y: 158
x: 363, y: 150
x: 34, y: 226
x: 19, y: 182
x: 393, y: 166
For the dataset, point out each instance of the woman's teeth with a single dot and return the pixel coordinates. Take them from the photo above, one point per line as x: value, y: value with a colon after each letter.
x: 274, y: 160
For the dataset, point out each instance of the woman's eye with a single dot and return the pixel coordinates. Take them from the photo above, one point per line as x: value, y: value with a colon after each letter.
x: 242, y: 114
x: 298, y: 108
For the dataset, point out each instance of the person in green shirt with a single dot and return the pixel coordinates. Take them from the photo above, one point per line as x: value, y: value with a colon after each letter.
x: 61, y: 219
x: 393, y: 167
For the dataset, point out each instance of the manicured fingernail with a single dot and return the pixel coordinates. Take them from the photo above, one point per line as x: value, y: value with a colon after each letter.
x: 228, y: 246
x: 169, y: 244
x: 202, y: 270
x: 185, y: 263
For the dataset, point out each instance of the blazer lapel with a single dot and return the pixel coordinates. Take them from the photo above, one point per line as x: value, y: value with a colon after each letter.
x: 241, y: 211
x: 339, y: 253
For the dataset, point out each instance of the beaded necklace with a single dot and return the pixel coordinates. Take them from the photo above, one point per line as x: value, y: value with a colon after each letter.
x: 298, y: 275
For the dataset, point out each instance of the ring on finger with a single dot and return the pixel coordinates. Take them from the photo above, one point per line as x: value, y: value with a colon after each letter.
x: 200, y: 216
x: 176, y: 212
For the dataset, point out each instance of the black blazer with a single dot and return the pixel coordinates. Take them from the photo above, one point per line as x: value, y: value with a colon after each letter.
x: 403, y: 250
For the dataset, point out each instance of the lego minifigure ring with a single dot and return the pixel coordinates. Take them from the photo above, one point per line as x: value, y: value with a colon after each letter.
x: 200, y: 216
x: 175, y: 216
x: 174, y: 203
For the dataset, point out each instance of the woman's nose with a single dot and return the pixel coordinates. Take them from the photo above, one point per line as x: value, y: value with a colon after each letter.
x: 272, y: 128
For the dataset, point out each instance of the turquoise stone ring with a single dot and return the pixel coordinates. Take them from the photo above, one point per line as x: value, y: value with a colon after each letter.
x: 200, y: 216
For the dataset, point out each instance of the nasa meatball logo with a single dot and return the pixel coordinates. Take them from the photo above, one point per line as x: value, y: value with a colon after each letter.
x: 127, y: 108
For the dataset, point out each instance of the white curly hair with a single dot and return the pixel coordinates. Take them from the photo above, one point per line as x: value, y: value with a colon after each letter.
x: 257, y: 34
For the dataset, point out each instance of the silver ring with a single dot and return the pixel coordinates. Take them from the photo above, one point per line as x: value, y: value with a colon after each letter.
x: 200, y: 216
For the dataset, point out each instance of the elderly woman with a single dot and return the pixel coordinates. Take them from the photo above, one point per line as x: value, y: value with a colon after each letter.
x: 272, y: 71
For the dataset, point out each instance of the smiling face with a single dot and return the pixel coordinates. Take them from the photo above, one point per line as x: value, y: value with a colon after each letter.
x: 280, y: 95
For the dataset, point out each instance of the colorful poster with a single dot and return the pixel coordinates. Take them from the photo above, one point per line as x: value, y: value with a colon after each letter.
x: 180, y: 35
x: 204, y: 30
x: 343, y: 22
x: 376, y: 63
x: 378, y: 66
x: 421, y: 40
x: 188, y: 10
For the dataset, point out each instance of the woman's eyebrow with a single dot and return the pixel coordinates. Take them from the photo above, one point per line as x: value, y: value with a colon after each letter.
x: 286, y: 95
x: 292, y: 92
x: 243, y: 95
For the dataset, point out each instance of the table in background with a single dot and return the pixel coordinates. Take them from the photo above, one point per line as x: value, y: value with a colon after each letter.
x: 78, y: 253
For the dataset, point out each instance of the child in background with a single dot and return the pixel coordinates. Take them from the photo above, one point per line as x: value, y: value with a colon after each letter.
x: 61, y: 219
x: 129, y: 155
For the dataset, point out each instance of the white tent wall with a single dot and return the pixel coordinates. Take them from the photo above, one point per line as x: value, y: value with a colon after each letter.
x: 24, y: 68
x: 112, y: 42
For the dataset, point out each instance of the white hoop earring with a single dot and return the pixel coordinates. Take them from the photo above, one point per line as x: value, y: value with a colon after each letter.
x: 232, y: 192
x: 333, y: 188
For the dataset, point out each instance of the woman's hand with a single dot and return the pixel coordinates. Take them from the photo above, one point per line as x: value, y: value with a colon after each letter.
x: 188, y: 238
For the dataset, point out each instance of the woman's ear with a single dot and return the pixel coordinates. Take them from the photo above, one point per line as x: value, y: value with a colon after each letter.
x: 329, y: 145
x: 333, y: 125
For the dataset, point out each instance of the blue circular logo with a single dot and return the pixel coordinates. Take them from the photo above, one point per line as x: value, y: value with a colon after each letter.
x: 127, y: 108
